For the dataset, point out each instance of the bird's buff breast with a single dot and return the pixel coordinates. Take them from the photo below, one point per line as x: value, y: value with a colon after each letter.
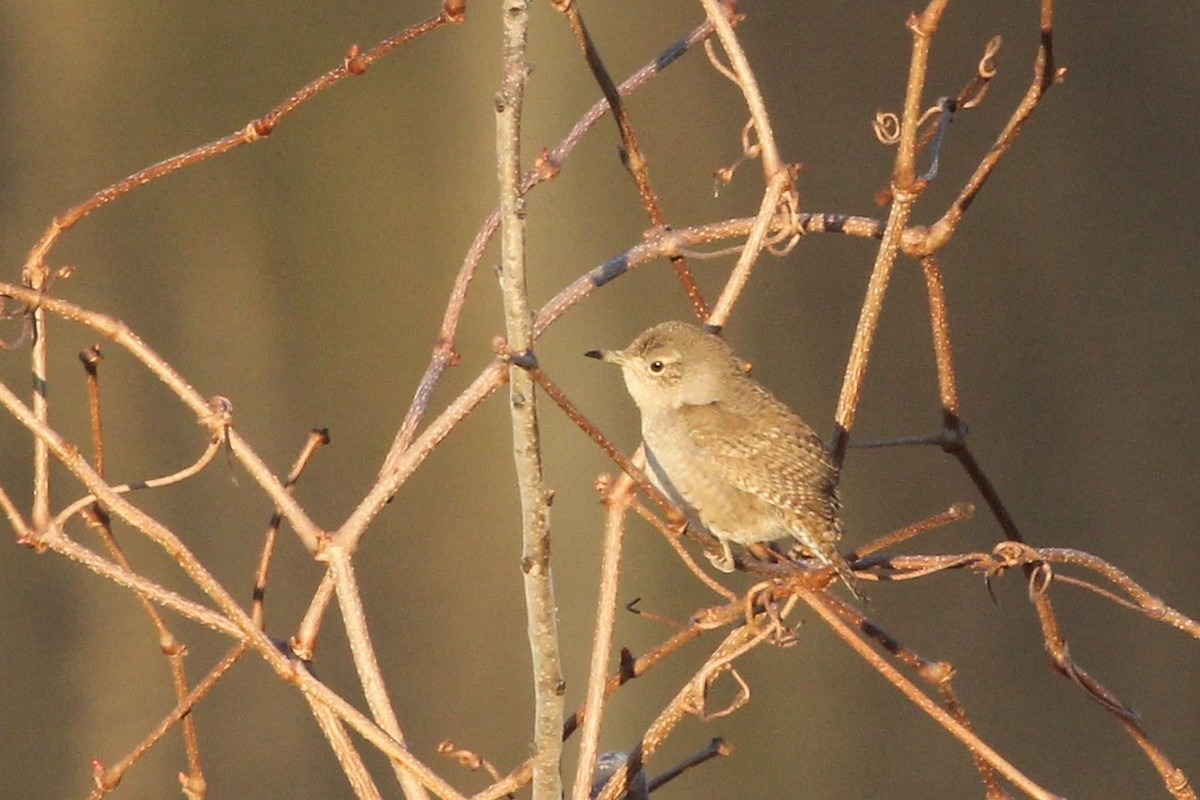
x: 686, y: 476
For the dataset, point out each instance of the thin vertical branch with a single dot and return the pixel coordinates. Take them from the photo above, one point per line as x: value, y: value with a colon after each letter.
x: 618, y: 499
x: 634, y: 159
x: 535, y: 505
x: 37, y: 278
x: 943, y: 354
x: 905, y: 190
x: 1045, y: 75
x: 778, y: 188
x: 718, y: 14
x: 341, y: 565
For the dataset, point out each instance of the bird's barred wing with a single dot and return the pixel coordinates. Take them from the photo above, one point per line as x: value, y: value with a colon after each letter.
x: 782, y: 460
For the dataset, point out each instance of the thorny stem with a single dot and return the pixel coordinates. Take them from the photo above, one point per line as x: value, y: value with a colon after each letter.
x: 540, y: 607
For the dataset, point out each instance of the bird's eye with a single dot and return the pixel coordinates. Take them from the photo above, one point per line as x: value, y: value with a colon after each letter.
x: 656, y: 366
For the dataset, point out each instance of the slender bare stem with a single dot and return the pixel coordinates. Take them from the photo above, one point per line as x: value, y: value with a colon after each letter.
x: 112, y: 775
x: 719, y: 17
x: 634, y: 159
x: 618, y: 499
x: 362, y: 650
x: 120, y: 333
x: 923, y: 702
x: 357, y: 774
x: 905, y: 190
x: 540, y: 607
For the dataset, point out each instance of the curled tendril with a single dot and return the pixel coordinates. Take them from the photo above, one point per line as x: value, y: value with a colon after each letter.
x: 887, y: 127
x: 711, y: 51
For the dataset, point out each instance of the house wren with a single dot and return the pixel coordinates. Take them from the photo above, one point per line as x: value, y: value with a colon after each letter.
x: 741, y: 464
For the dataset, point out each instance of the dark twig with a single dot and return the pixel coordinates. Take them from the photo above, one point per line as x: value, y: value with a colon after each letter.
x: 632, y: 153
x: 716, y: 748
x: 317, y: 438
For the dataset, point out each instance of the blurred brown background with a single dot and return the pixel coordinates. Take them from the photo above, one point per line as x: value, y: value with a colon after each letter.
x: 304, y: 278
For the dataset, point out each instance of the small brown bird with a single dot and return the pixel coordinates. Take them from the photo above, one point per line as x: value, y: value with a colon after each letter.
x: 741, y: 464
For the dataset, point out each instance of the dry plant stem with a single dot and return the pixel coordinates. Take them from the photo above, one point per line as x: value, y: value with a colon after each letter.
x: 1040, y: 577
x: 689, y: 698
x: 617, y: 501
x: 952, y: 439
x: 977, y: 746
x: 943, y: 354
x: 318, y: 693
x: 41, y: 410
x: 214, y: 446
x: 317, y: 438
x: 540, y: 607
x: 171, y: 647
x: 546, y: 169
x: 120, y: 333
x: 1056, y: 647
x: 58, y: 543
x: 777, y: 185
x: 937, y: 674
x: 719, y: 16
x: 13, y: 514
x: 717, y: 747
x: 357, y: 774
x: 362, y: 650
x: 231, y: 621
x: 304, y: 643
x: 705, y: 620
x: 1045, y: 75
x: 489, y: 380
x: 868, y: 321
x: 956, y: 512
x: 958, y: 448
x: 1174, y: 779
x: 667, y: 243
x: 355, y: 63
x: 112, y: 775
x: 91, y: 359
x: 633, y: 153
x: 70, y: 457
x: 905, y: 190
x: 1146, y: 602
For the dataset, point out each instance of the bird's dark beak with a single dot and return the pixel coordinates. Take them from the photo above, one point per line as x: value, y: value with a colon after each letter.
x: 596, y: 354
